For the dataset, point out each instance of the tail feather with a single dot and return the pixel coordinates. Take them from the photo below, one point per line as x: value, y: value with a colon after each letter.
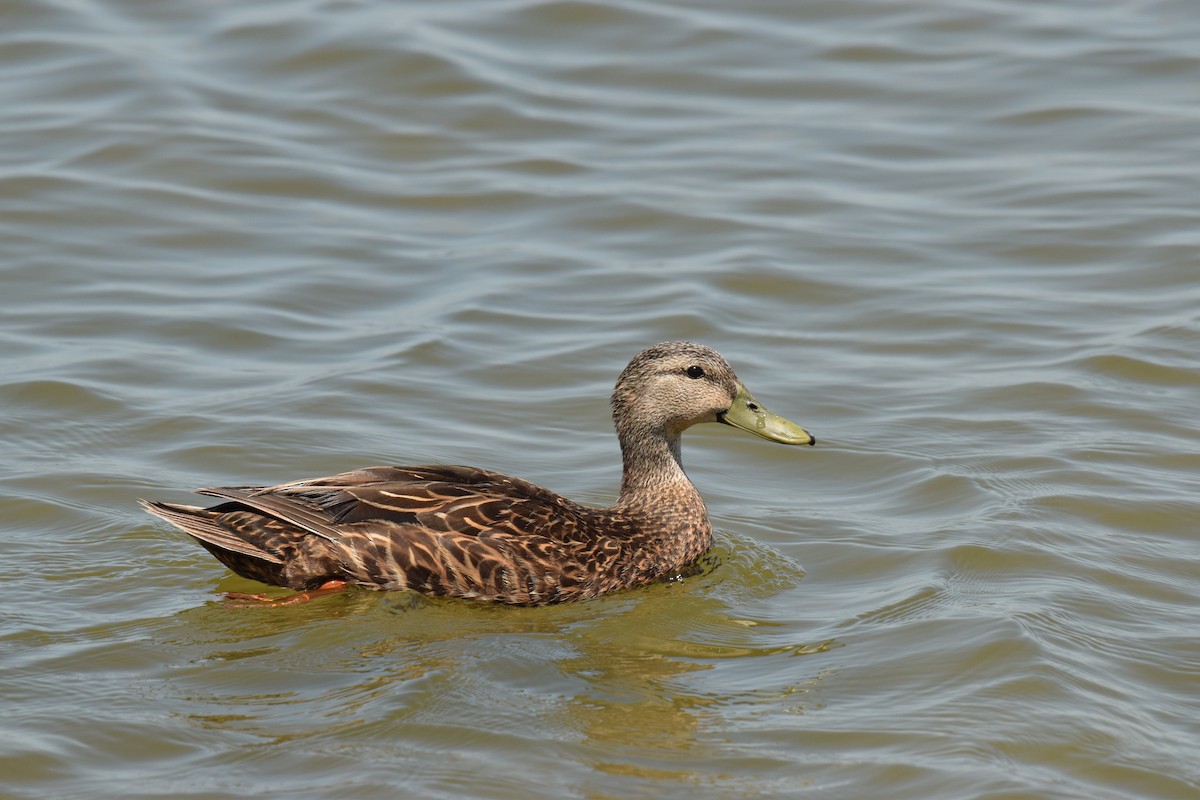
x: 197, y: 523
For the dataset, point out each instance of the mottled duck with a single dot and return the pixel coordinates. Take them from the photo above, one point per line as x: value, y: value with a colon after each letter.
x: 469, y: 532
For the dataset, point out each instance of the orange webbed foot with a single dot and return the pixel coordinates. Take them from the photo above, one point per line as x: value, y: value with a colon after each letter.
x: 243, y: 600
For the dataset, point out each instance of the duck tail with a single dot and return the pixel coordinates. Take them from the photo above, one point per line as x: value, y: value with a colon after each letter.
x: 199, y: 524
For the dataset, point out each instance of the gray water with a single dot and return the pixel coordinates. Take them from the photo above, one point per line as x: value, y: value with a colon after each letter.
x: 252, y: 242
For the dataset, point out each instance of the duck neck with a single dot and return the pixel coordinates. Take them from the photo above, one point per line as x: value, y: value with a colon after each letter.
x: 652, y: 461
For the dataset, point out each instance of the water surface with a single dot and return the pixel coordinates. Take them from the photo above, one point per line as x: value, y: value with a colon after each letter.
x: 252, y: 242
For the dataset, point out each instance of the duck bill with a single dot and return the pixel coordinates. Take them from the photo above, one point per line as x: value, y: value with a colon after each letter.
x: 751, y: 416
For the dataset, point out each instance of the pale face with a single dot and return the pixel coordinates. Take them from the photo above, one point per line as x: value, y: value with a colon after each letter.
x: 674, y: 385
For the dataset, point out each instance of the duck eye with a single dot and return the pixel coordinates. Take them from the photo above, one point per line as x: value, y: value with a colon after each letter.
x: 695, y: 372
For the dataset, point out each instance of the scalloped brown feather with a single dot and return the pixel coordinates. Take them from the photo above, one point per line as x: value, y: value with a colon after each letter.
x: 439, y: 530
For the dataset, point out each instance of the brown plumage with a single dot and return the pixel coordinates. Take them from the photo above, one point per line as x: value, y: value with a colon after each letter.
x: 468, y: 532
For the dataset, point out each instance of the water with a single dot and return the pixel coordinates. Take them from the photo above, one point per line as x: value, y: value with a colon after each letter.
x: 958, y: 241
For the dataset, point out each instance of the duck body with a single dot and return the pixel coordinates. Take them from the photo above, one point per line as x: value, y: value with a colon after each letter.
x: 444, y: 530
x: 473, y: 533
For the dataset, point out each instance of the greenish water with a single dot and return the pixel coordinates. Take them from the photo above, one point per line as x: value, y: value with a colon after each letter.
x: 959, y: 242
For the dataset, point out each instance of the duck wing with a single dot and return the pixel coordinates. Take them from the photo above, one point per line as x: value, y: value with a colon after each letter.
x: 449, y: 499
